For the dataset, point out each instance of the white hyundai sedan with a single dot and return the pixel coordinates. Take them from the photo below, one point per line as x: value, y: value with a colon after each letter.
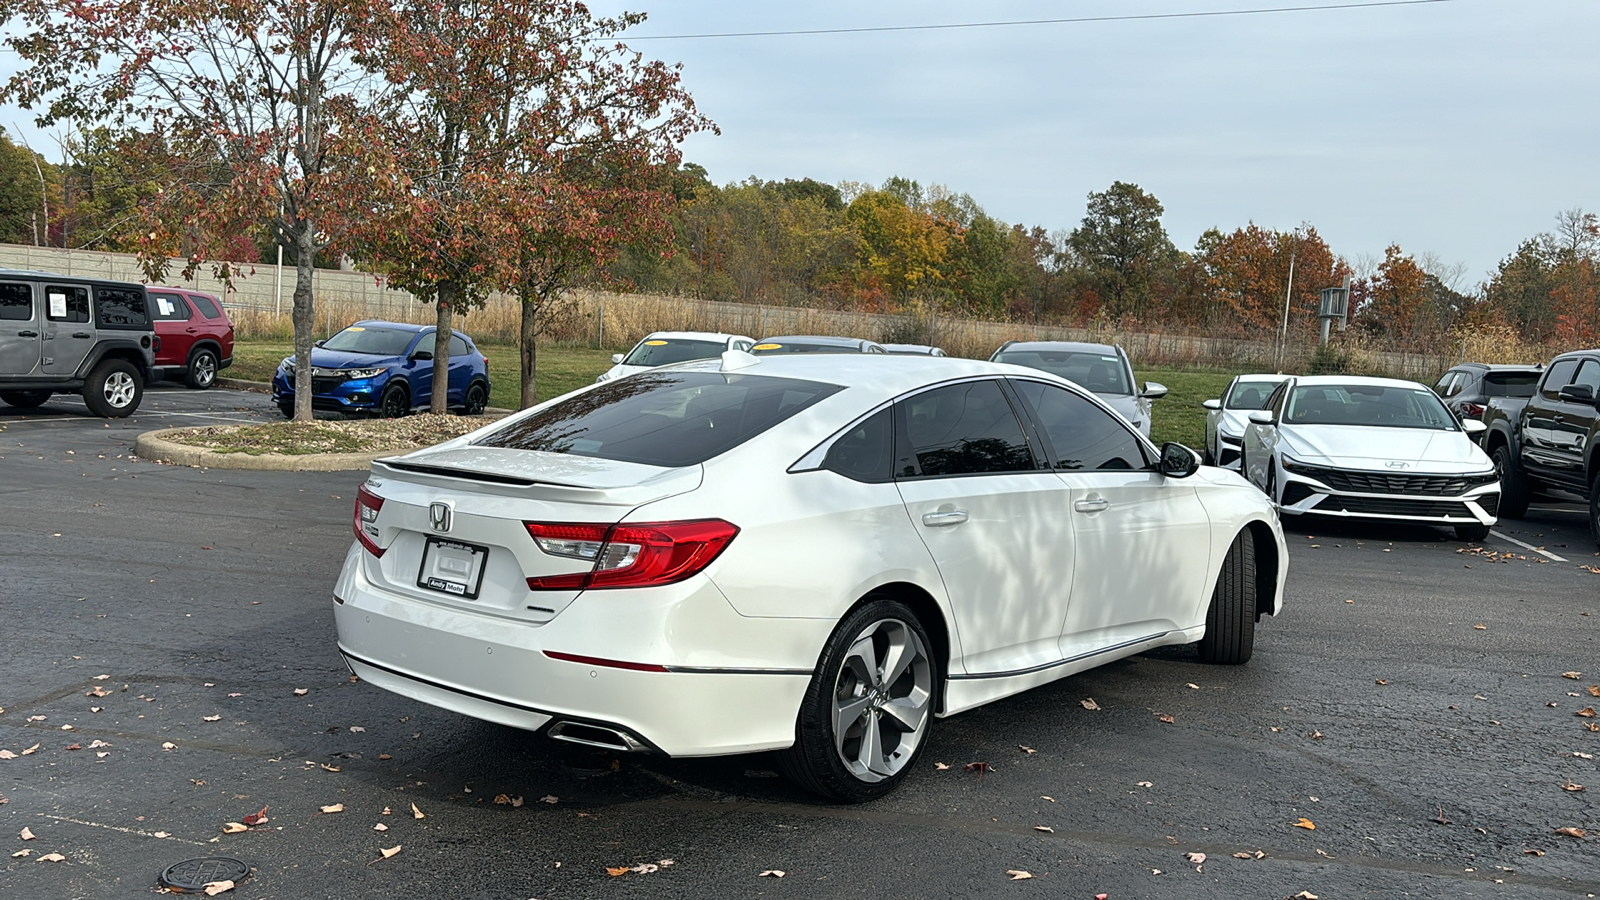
x: 817, y: 554
x: 1370, y: 448
x: 1228, y: 416
x: 664, y: 348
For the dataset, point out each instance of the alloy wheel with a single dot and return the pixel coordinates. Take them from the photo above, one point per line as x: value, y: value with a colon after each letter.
x: 119, y: 389
x: 205, y: 369
x: 881, y: 700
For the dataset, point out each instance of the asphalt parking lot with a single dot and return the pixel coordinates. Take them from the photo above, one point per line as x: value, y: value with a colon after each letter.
x: 174, y: 626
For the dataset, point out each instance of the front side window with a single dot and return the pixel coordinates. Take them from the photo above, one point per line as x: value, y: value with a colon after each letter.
x: 666, y: 351
x: 169, y: 308
x: 1084, y: 436
x: 1102, y: 373
x: 371, y: 339
x: 1388, y: 406
x: 1560, y: 376
x: 16, y: 302
x: 121, y: 308
x: 1589, y: 374
x: 66, y: 304
x: 963, y: 429
x: 670, y: 418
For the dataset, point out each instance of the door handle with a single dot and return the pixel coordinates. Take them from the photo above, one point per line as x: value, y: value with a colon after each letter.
x: 1558, y: 418
x: 27, y: 334
x: 82, y: 334
x: 192, y: 330
x: 1091, y: 506
x: 943, y: 518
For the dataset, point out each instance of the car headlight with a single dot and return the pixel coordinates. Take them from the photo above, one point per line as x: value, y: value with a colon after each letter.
x: 287, y: 365
x: 364, y: 373
x: 1300, y: 468
x: 1227, y: 438
x: 604, y: 376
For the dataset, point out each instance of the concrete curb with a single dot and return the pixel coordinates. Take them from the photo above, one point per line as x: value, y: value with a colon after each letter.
x: 239, y: 384
x: 153, y: 446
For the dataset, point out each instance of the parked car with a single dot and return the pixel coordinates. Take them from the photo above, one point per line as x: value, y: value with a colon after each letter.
x: 1547, y: 442
x: 1467, y: 388
x: 663, y: 348
x: 913, y: 350
x: 1227, y: 416
x: 816, y: 555
x: 385, y: 368
x: 61, y: 334
x: 196, y: 335
x: 812, y: 343
x: 1370, y: 448
x: 1101, y: 368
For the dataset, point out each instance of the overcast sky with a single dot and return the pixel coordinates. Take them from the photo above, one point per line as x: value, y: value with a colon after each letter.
x: 1458, y: 128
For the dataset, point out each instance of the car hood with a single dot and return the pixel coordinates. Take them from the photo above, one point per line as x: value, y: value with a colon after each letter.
x: 1369, y: 447
x: 1234, y: 421
x: 344, y: 359
x: 621, y: 371
x: 1126, y: 404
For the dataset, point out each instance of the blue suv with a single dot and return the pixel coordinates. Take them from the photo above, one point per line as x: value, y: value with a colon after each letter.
x: 386, y: 368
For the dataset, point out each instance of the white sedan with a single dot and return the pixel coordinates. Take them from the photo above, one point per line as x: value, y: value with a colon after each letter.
x: 817, y: 554
x: 663, y: 348
x: 1370, y: 448
x: 1228, y: 415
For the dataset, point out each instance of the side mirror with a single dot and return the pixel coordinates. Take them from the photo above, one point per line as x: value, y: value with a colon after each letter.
x: 1578, y: 393
x: 422, y: 354
x: 1473, y: 426
x: 1153, y: 391
x: 1263, y: 417
x: 1212, y: 404
x: 1178, y: 461
x: 616, y: 359
x: 319, y: 343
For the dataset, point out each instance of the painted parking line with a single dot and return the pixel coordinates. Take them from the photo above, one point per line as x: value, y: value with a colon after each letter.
x: 1544, y: 553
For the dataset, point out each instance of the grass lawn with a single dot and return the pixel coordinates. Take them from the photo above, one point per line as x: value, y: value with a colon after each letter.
x: 1175, y: 417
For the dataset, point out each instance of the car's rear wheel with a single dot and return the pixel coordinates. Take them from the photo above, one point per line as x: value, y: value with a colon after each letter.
x: 114, y: 390
x: 202, y: 370
x: 865, y: 716
x: 1514, y: 493
x: 25, y: 399
x: 395, y: 402
x: 1231, y: 619
x: 287, y: 408
x: 1594, y: 508
x: 475, y: 400
x: 1472, y: 532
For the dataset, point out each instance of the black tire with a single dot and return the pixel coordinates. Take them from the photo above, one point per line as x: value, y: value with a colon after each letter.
x: 1514, y: 492
x: 114, y: 389
x: 475, y: 400
x: 287, y: 408
x: 1272, y: 481
x: 395, y: 402
x: 25, y: 399
x: 1594, y: 508
x: 1472, y: 533
x: 1230, y: 636
x: 817, y: 762
x: 1206, y: 459
x: 202, y: 371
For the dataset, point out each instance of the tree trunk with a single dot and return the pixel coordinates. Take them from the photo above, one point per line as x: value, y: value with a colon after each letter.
x: 530, y: 351
x: 305, y: 318
x: 449, y: 294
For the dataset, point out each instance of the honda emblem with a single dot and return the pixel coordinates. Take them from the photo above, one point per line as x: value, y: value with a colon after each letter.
x: 439, y: 517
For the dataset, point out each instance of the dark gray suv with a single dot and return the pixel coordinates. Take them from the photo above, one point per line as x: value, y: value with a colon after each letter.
x: 63, y: 334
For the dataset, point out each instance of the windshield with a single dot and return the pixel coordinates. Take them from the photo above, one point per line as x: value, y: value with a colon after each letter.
x: 1101, y: 373
x: 370, y: 339
x: 1360, y: 404
x: 793, y: 346
x: 663, y: 418
x: 1510, y: 384
x: 666, y: 351
x: 1249, y: 394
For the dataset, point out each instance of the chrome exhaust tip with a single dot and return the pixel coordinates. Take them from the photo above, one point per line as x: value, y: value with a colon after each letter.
x: 596, y: 736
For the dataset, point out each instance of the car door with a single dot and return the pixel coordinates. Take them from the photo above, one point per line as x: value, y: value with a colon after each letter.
x: 174, y: 321
x: 19, y: 329
x: 1539, y: 450
x: 68, y: 335
x: 1572, y: 423
x: 1261, y: 441
x: 996, y: 522
x: 461, y: 365
x: 1214, y: 421
x: 1142, y: 541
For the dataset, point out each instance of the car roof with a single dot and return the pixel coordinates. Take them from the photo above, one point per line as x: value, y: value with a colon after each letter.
x: 1362, y: 380
x: 1074, y: 346
x: 403, y: 326
x: 885, y: 374
x: 827, y: 339
x: 692, y: 335
x: 1259, y: 376
x: 71, y: 279
x: 1498, y: 367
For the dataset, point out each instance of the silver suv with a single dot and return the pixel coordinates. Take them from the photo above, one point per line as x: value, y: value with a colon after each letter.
x: 62, y: 334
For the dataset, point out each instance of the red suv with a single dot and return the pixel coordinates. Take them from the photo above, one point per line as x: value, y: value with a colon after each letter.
x: 196, y: 336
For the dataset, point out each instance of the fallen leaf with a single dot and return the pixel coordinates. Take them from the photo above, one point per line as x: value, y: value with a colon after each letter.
x: 645, y: 869
x: 1440, y: 817
x: 163, y: 834
x: 1307, y: 824
x: 25, y: 834
x: 330, y: 768
x: 74, y: 747
x: 1146, y: 783
x: 256, y: 818
x: 1165, y: 719
x: 941, y: 766
x: 502, y: 799
x: 772, y: 873
x: 380, y: 827
x: 21, y: 853
x: 390, y: 851
x: 1196, y: 858
x: 1572, y: 787
x: 1307, y: 895
x: 1244, y: 855
x: 1571, y: 832
x: 1573, y: 675
x: 1581, y: 755
x: 550, y: 798
x: 31, y: 750
x: 1192, y: 686
x: 1044, y: 828
x: 214, y: 888
x: 1043, y: 797
x: 384, y: 756
x: 1529, y: 851
x: 1088, y: 703
x: 1594, y: 690
x: 1028, y: 750
x: 7, y: 754
x: 1383, y: 681
x: 1481, y: 627
x: 301, y: 692
x: 1316, y: 735
x: 416, y: 813
x: 333, y: 808
x: 213, y: 719
x: 168, y: 745
x: 614, y: 871
x: 234, y: 827
x: 357, y: 728
x: 97, y: 744
x: 1587, y: 712
x: 979, y: 767
x: 1019, y: 874
x: 51, y: 857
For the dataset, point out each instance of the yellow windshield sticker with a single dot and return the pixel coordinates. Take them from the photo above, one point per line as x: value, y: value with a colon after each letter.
x: 766, y: 346
x: 655, y: 343
x: 355, y: 328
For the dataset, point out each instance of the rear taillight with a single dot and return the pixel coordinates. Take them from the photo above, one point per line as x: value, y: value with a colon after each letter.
x: 1472, y: 410
x: 629, y: 555
x: 365, y: 523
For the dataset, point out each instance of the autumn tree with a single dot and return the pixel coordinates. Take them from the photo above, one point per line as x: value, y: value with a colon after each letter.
x: 1123, y: 246
x: 1242, y: 276
x: 247, y: 97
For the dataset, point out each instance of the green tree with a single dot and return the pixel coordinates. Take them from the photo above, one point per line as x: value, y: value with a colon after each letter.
x: 1123, y: 247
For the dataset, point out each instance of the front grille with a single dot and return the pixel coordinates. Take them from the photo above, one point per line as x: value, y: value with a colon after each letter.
x: 1490, y: 503
x: 1228, y: 456
x: 325, y: 385
x: 1385, y: 483
x: 1386, y: 506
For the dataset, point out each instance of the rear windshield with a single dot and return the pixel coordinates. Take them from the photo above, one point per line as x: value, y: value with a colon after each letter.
x: 669, y: 418
x: 1250, y: 394
x: 1102, y: 373
x: 766, y: 347
x: 1510, y: 384
x: 666, y: 351
x: 371, y: 339
x: 1363, y: 404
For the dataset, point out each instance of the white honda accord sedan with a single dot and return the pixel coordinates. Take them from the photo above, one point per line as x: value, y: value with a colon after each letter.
x: 1370, y: 448
x: 805, y: 553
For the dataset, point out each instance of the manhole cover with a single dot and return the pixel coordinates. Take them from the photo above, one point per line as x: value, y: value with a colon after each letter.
x: 195, y: 874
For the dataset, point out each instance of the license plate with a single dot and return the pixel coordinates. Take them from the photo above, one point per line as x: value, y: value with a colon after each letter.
x: 451, y: 567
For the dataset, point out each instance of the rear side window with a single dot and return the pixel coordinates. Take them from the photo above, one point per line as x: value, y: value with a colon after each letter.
x: 1084, y: 436
x: 206, y: 305
x: 666, y: 419
x: 1559, y: 377
x: 458, y: 347
x: 120, y: 307
x: 169, y: 308
x: 865, y: 452
x: 67, y: 304
x: 1510, y: 384
x: 963, y: 429
x: 16, y: 302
